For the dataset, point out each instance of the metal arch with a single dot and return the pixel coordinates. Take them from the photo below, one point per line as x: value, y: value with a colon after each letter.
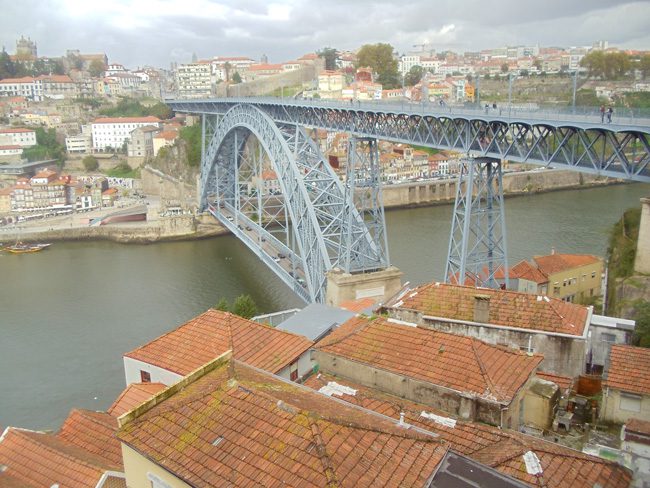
x: 314, y: 196
x: 560, y: 140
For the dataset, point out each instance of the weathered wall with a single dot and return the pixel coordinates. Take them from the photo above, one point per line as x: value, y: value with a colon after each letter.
x: 155, y: 182
x: 444, y: 191
x: 642, y: 261
x: 562, y: 355
x: 378, y: 285
x: 444, y: 399
x: 611, y: 410
x: 142, y: 473
x: 132, y: 368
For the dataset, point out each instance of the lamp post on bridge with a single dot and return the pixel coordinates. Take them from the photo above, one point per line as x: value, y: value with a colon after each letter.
x: 575, y: 85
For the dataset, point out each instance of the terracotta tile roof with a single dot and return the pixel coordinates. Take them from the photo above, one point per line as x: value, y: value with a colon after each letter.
x: 168, y: 135
x: 461, y: 363
x: 357, y: 305
x: 42, y: 459
x: 11, y: 146
x: 8, y: 481
x: 499, y: 449
x: 638, y: 425
x: 134, y: 395
x: 15, y: 131
x: 93, y: 431
x: 506, y: 308
x: 554, y: 263
x: 565, y: 383
x: 629, y: 369
x: 127, y: 120
x: 526, y: 271
x: 237, y: 421
x: 212, y: 333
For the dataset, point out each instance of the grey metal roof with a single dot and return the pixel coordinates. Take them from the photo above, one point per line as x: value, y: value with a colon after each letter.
x: 315, y: 320
x: 612, y: 322
x: 457, y: 471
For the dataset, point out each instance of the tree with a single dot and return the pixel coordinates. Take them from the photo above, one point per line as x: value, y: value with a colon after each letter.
x: 7, y: 66
x: 379, y: 57
x: 160, y: 110
x: 227, y: 67
x: 644, y: 66
x: 236, y: 77
x: 96, y: 68
x: 222, y: 305
x: 607, y: 66
x: 90, y: 163
x: 504, y: 68
x: 244, y: 306
x: 329, y: 54
x: 642, y: 330
x: 414, y: 75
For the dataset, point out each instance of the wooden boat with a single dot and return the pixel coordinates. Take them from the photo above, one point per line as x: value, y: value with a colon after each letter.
x: 22, y: 248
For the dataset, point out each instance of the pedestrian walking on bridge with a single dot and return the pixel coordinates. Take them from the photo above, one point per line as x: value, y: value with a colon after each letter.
x: 602, y: 114
x: 610, y: 111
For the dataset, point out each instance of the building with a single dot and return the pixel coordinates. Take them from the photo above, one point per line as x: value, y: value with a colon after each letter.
x: 27, y: 87
x: 164, y: 138
x: 462, y: 376
x: 194, y: 80
x: 230, y: 424
x: 626, y: 385
x: 556, y: 329
x: 140, y: 142
x: 267, y: 183
x: 603, y: 333
x: 506, y: 451
x: 18, y: 137
x: 571, y: 277
x: 176, y: 354
x: 636, y: 442
x: 112, y: 133
x: 5, y: 200
x: 330, y: 84
x: 10, y: 153
x: 81, y: 143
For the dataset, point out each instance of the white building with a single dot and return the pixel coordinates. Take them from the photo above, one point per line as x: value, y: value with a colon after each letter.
x: 18, y: 137
x: 27, y: 87
x: 194, y: 80
x: 78, y: 144
x: 10, y: 153
x: 114, y: 132
x: 407, y: 61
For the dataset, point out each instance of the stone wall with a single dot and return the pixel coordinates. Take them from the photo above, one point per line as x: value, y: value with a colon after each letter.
x: 642, y: 261
x: 155, y: 182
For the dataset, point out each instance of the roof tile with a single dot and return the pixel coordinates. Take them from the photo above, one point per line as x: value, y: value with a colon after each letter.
x: 134, y: 395
x: 629, y: 369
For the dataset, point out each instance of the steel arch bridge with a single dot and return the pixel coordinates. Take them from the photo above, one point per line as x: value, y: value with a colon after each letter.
x: 313, y: 222
x: 313, y: 228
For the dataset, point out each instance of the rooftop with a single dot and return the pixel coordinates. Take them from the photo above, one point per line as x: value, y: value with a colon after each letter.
x: 628, y: 369
x: 315, y: 320
x: 556, y: 263
x: 237, y: 420
x: 500, y: 449
x: 461, y: 363
x: 214, y: 332
x: 39, y: 459
x: 506, y: 308
x: 134, y: 395
x: 127, y: 120
x: 94, y: 432
x: 526, y: 271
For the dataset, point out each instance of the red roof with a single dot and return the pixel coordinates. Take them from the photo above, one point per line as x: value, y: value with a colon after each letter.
x: 24, y: 79
x: 358, y: 305
x: 629, y: 369
x: 565, y: 383
x: 464, y: 364
x: 555, y: 263
x: 500, y: 449
x: 95, y: 432
x: 638, y: 425
x: 526, y: 271
x: 239, y: 423
x: 265, y: 67
x: 127, y: 120
x: 134, y: 395
x: 506, y: 308
x: 169, y: 135
x: 10, y: 147
x: 41, y: 459
x: 15, y: 131
x: 214, y: 332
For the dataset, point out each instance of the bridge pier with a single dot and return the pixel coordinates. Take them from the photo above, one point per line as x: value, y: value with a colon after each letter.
x: 642, y: 259
x: 378, y: 285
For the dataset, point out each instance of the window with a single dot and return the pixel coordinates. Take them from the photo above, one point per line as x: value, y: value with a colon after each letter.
x: 593, y: 274
x: 609, y: 338
x: 145, y: 376
x: 629, y: 402
x: 293, y: 375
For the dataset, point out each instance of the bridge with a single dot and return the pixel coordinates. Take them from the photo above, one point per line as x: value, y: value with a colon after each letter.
x: 317, y: 232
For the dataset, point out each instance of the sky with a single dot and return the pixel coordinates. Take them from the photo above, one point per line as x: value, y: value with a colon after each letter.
x: 156, y: 32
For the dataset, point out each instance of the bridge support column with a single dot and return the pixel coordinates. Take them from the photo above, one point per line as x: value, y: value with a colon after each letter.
x: 378, y: 285
x: 642, y: 259
x: 477, y: 245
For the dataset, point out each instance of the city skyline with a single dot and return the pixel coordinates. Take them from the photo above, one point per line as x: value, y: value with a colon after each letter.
x: 157, y: 32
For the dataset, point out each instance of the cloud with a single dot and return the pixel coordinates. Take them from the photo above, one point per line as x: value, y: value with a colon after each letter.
x: 138, y: 32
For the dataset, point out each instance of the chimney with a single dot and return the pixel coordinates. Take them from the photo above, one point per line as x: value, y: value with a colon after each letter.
x: 482, y: 308
x: 552, y: 251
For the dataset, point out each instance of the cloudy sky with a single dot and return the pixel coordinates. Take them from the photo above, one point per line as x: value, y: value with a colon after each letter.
x: 156, y: 32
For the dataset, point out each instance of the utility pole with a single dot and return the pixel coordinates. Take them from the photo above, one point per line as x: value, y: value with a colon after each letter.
x: 575, y: 84
x: 509, y: 94
x: 477, y: 95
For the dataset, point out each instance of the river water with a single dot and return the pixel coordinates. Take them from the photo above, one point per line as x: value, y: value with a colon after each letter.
x: 68, y: 314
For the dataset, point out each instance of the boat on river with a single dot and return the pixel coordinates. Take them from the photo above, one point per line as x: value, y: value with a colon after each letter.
x: 23, y: 248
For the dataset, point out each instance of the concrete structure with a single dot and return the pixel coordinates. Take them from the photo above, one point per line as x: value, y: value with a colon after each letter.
x: 540, y: 403
x: 626, y: 387
x: 571, y: 277
x: 461, y: 376
x: 603, y: 333
x: 636, y: 442
x: 315, y: 321
x: 78, y: 144
x: 642, y: 260
x: 194, y: 80
x: 10, y: 153
x: 176, y: 354
x: 558, y: 330
x: 113, y: 132
x: 378, y: 285
x: 140, y: 142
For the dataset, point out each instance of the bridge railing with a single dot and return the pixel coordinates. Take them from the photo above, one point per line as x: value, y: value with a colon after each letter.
x: 590, y: 116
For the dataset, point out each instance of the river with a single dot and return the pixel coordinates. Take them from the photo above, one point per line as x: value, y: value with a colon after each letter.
x: 68, y: 314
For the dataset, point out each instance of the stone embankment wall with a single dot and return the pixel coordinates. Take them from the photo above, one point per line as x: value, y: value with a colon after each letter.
x: 444, y: 191
x: 155, y: 182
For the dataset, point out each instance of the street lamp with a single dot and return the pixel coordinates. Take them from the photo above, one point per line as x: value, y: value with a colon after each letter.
x: 510, y: 78
x: 575, y: 85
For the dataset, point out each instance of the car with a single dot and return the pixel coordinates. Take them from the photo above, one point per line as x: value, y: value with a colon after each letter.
x: 240, y: 227
x: 277, y: 260
x: 263, y: 239
x: 230, y: 218
x: 281, y: 256
x: 248, y: 227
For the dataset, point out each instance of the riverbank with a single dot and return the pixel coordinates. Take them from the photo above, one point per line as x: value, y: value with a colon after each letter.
x: 395, y: 197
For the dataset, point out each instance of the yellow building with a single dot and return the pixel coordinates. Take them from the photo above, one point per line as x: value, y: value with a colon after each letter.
x: 571, y: 277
